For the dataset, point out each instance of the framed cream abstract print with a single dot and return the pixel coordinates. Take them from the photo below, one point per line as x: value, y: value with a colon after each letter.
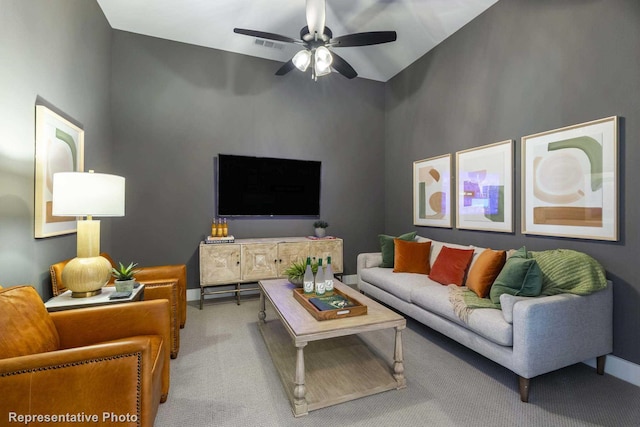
x: 570, y: 181
x: 432, y: 192
x: 59, y: 148
x: 484, y: 191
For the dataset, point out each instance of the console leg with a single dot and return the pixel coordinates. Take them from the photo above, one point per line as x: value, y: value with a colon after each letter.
x: 201, y: 297
x: 600, y: 364
x: 524, y: 389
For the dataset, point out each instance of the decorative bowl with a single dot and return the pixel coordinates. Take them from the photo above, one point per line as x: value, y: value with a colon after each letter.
x: 296, y: 280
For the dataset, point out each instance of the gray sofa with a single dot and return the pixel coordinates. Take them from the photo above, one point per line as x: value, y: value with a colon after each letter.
x: 529, y: 336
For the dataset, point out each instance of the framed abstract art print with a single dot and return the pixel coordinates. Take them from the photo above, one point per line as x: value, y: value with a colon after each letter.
x: 432, y: 192
x: 484, y: 192
x: 59, y: 148
x: 570, y: 181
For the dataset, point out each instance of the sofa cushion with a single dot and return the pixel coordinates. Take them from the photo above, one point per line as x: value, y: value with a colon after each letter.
x: 451, y: 266
x: 399, y: 285
x: 411, y: 257
x: 489, y: 323
x: 519, y: 276
x: 484, y: 271
x: 387, y: 247
x: 25, y: 325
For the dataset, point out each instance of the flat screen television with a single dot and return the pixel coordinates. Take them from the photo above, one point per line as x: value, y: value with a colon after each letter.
x: 264, y: 186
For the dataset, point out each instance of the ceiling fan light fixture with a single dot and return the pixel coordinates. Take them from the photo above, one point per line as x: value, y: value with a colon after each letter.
x: 302, y: 60
x: 323, y: 60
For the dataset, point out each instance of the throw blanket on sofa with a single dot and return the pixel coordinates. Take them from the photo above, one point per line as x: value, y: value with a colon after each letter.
x: 563, y: 271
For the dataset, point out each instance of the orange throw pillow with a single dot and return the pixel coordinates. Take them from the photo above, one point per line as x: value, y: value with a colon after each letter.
x: 485, y: 270
x: 451, y: 265
x: 411, y: 257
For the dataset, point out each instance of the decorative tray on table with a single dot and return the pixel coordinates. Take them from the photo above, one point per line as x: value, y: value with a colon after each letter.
x: 334, y: 306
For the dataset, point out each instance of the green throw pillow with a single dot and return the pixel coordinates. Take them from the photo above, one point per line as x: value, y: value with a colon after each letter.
x: 521, y: 253
x: 519, y: 277
x: 386, y: 247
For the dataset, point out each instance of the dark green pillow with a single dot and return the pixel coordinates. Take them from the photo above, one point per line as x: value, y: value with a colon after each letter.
x: 521, y: 253
x: 518, y: 277
x: 386, y: 247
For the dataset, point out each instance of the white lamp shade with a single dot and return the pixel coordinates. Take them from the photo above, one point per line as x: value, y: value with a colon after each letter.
x: 323, y: 61
x: 82, y: 193
x: 302, y: 60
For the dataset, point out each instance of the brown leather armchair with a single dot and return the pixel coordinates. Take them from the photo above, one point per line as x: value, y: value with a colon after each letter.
x: 159, y: 284
x: 103, y: 361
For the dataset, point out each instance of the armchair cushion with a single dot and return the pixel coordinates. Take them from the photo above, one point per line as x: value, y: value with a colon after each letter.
x: 25, y: 323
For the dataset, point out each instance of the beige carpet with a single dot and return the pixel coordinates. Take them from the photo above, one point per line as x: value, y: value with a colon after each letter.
x: 223, y: 376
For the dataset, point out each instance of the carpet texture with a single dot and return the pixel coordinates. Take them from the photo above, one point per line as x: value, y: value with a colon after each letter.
x: 224, y: 376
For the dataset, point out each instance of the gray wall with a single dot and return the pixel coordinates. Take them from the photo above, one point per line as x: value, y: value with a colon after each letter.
x: 56, y: 53
x: 176, y: 106
x: 520, y: 68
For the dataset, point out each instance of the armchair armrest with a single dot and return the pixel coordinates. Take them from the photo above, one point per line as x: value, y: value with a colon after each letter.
x: 87, y: 326
x: 556, y: 331
x: 165, y: 272
x: 112, y: 377
x: 167, y: 289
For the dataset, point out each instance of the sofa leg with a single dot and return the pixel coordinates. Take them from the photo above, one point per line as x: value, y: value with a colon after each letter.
x: 163, y: 398
x: 600, y: 364
x: 524, y: 389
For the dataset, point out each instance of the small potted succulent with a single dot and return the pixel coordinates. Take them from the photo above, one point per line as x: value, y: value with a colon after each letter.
x: 295, y: 272
x: 320, y: 228
x: 124, y: 276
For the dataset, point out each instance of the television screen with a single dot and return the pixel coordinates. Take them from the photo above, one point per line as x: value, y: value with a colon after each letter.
x: 263, y: 186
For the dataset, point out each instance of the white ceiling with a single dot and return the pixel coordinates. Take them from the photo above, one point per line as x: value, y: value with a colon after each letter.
x: 420, y: 24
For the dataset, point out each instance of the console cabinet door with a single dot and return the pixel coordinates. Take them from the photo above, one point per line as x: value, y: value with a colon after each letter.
x: 259, y: 261
x: 290, y: 252
x: 325, y: 248
x: 219, y: 264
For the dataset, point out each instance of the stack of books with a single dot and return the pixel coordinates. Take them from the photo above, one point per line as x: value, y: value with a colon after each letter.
x: 213, y: 239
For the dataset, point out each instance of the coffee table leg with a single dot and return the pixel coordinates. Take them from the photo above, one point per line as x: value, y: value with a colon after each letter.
x: 299, y: 390
x: 262, y: 315
x: 398, y: 365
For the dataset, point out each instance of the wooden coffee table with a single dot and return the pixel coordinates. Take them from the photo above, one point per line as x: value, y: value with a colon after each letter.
x: 328, y: 363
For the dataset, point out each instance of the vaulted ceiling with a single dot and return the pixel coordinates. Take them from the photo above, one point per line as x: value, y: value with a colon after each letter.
x: 420, y: 25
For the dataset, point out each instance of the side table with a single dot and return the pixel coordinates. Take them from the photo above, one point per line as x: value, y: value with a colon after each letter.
x: 64, y: 301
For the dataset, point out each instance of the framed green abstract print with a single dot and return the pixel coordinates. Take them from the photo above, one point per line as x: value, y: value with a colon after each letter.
x: 484, y: 192
x: 59, y: 148
x: 570, y: 181
x: 432, y: 192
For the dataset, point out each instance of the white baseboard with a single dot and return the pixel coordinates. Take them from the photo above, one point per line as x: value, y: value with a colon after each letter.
x: 615, y: 366
x: 619, y: 368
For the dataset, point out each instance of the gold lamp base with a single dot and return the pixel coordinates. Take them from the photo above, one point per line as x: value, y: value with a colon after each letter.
x: 85, y: 276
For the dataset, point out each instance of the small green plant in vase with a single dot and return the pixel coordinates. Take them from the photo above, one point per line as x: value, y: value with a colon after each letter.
x: 124, y: 276
x: 295, y: 272
x: 320, y: 228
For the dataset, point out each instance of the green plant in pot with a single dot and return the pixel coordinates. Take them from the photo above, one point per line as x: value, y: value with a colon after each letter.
x: 295, y: 272
x: 320, y: 228
x: 124, y: 276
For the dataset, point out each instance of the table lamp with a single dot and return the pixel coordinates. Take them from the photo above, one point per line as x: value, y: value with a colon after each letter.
x: 87, y: 194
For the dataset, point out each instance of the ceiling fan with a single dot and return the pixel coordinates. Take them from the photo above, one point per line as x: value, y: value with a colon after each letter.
x: 316, y: 40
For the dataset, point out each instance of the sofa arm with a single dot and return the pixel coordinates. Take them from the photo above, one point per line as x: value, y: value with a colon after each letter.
x: 552, y: 332
x: 111, y: 377
x: 367, y: 260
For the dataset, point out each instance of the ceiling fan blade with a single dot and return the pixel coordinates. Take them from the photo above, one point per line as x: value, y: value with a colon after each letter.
x: 343, y: 67
x: 286, y: 67
x: 316, y: 16
x: 265, y: 35
x: 364, y: 39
